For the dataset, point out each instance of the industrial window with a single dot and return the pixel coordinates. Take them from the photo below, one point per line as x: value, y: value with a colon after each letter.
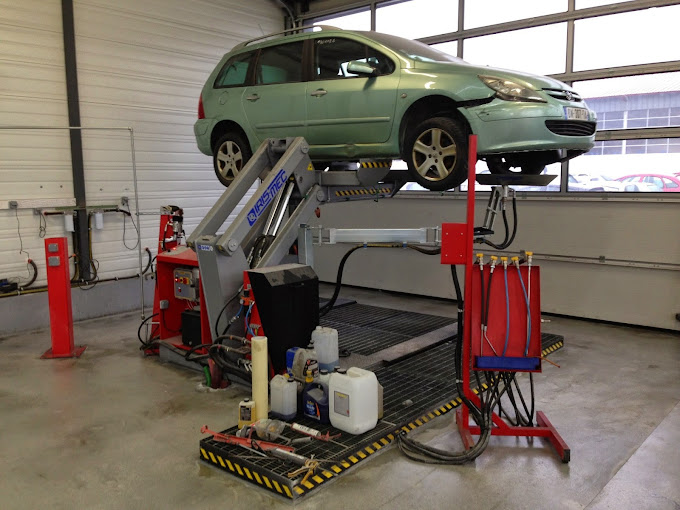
x: 635, y: 38
x: 235, y: 71
x: 479, y: 13
x: 417, y: 18
x: 450, y: 47
x: 331, y: 56
x: 354, y: 21
x: 538, y: 50
x: 632, y: 102
x: 279, y: 64
x: 649, y: 163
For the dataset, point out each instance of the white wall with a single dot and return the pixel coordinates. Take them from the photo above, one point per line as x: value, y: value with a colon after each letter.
x: 645, y: 232
x: 141, y: 64
x: 32, y: 92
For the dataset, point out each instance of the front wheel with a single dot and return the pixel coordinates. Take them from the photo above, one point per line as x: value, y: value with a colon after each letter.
x: 436, y: 154
x: 230, y: 154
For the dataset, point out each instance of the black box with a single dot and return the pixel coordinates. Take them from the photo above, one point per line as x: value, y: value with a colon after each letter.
x: 191, y: 327
x: 287, y: 298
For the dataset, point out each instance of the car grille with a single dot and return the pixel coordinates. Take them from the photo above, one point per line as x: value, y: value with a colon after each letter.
x: 564, y: 95
x: 570, y: 127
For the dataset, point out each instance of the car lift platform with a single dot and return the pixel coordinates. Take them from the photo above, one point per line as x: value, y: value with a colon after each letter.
x: 413, y: 361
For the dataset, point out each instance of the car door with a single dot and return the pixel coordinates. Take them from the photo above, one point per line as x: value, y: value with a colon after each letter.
x: 346, y: 108
x: 275, y: 105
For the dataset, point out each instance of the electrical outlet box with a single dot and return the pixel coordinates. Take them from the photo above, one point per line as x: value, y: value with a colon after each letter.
x: 13, y: 204
x: 124, y: 201
x: 164, y: 304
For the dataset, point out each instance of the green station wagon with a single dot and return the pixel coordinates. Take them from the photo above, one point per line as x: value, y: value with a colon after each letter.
x: 366, y: 95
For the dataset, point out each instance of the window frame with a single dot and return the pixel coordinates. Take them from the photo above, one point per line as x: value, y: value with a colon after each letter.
x: 313, y: 52
x: 249, y: 72
x: 304, y: 74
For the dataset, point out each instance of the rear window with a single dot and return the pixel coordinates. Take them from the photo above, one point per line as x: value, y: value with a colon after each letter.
x: 234, y: 73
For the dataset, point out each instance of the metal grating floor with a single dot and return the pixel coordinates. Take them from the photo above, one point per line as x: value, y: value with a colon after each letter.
x: 364, y: 329
x: 414, y: 388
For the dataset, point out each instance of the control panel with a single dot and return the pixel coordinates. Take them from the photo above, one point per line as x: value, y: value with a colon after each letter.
x: 186, y: 283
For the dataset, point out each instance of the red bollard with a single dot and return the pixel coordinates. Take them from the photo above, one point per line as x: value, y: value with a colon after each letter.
x: 59, y: 295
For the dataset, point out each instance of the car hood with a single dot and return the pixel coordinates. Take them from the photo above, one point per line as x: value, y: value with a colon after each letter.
x: 533, y: 81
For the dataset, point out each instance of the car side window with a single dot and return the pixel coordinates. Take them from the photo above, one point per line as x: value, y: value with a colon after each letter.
x: 331, y: 56
x: 234, y: 73
x: 669, y: 184
x: 279, y: 64
x: 655, y: 180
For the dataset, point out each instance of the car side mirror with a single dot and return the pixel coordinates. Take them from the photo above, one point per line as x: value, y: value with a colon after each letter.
x: 357, y: 67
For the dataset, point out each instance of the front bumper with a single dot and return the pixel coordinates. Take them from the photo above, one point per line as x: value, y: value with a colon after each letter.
x: 504, y: 127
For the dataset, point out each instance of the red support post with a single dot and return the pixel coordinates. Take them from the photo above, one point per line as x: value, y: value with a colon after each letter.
x: 453, y: 255
x: 59, y: 296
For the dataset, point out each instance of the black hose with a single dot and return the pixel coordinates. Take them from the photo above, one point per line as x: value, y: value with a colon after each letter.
x: 35, y: 274
x: 219, y: 316
x: 509, y: 239
x: 148, y: 264
x: 338, y: 282
x: 482, y: 416
x: 228, y: 365
x: 148, y: 343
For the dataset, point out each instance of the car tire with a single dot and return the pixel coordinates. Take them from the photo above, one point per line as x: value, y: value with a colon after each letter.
x: 230, y: 154
x: 436, y: 154
x: 498, y: 166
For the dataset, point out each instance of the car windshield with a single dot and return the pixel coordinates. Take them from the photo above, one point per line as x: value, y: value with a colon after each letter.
x: 412, y: 49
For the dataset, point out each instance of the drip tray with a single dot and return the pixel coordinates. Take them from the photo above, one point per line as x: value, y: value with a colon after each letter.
x: 418, y: 378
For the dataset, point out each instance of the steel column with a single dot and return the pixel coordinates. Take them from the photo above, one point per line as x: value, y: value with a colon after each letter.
x: 77, y: 166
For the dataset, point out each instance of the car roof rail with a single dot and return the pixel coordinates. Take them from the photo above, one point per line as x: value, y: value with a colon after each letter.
x: 284, y: 32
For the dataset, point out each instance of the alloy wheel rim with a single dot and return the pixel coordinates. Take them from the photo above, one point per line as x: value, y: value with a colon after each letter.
x: 229, y: 160
x: 434, y: 154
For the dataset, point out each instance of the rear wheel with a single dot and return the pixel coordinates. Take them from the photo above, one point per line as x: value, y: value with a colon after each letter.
x: 436, y: 154
x: 230, y: 154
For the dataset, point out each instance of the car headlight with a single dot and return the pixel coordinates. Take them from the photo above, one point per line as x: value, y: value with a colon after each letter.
x: 511, y: 91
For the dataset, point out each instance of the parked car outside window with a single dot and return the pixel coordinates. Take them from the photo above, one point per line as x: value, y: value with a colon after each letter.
x: 659, y: 181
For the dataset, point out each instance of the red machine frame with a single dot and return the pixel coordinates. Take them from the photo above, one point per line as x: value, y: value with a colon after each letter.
x: 457, y: 249
x: 170, y: 257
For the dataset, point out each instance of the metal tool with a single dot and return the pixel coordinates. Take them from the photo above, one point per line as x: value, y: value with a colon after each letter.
x: 248, y: 442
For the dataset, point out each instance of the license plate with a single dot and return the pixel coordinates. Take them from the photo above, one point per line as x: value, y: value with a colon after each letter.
x: 571, y: 113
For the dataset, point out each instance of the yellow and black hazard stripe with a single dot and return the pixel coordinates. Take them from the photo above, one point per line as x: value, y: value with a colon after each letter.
x: 363, y: 191
x: 377, y: 164
x: 247, y: 473
x: 293, y: 490
x: 553, y: 348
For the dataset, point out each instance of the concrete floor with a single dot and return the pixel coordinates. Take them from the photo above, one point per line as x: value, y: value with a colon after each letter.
x: 117, y: 430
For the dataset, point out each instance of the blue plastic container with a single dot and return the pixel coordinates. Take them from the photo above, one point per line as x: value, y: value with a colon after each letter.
x: 315, y: 401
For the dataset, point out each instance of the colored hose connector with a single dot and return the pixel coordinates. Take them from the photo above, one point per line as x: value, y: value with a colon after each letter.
x: 504, y: 261
x: 526, y: 300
